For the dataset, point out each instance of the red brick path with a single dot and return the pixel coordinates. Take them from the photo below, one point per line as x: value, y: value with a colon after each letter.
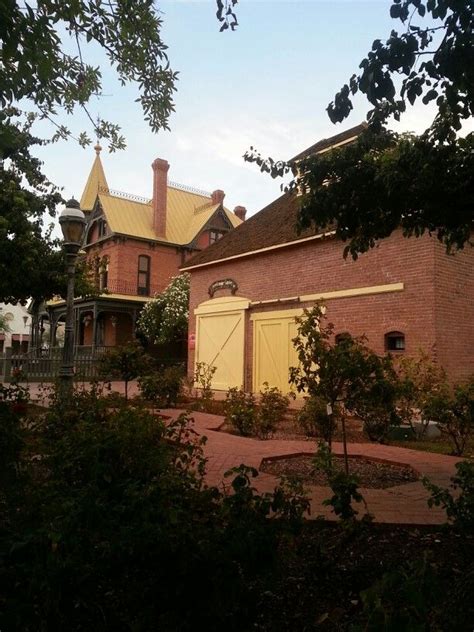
x: 405, y: 504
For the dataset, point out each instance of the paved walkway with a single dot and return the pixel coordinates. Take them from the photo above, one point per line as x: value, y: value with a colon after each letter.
x: 404, y: 504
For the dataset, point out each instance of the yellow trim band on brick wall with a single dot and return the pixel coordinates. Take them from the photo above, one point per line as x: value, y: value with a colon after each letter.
x: 357, y: 291
x: 322, y: 296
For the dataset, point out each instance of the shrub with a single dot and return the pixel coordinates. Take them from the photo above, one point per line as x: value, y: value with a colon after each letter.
x: 116, y: 530
x: 458, y: 504
x: 163, y: 387
x: 125, y: 363
x: 344, y: 486
x: 375, y: 402
x: 240, y: 411
x: 165, y: 318
x: 401, y: 599
x: 419, y: 379
x: 203, y: 375
x: 13, y: 405
x: 454, y: 413
x: 314, y: 418
x: 272, y: 406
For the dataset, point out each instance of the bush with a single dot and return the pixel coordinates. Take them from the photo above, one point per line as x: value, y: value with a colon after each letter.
x: 314, y: 419
x: 13, y: 405
x: 115, y: 529
x: 454, y: 413
x: 419, y: 379
x: 401, y: 599
x: 458, y: 504
x: 203, y: 375
x: 272, y: 406
x: 163, y: 387
x: 375, y: 405
x: 124, y: 363
x: 240, y: 411
x: 345, y: 486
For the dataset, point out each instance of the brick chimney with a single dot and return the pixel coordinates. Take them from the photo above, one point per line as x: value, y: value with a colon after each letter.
x: 241, y: 212
x: 160, y: 191
x: 217, y: 197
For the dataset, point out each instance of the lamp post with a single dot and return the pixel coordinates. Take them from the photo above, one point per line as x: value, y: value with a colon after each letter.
x: 72, y: 222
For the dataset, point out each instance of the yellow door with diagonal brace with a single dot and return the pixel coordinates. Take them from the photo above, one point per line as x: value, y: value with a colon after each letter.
x: 273, y: 350
x: 220, y: 340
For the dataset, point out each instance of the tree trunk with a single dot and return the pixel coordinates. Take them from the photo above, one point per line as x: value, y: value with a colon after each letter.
x: 344, y: 443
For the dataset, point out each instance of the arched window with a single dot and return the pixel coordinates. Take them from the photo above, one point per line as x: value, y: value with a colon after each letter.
x: 395, y: 341
x: 143, y: 275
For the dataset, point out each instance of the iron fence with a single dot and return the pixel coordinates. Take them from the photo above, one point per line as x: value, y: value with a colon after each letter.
x: 41, y: 365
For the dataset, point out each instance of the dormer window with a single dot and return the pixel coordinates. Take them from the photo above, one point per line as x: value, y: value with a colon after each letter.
x: 101, y: 228
x: 215, y: 235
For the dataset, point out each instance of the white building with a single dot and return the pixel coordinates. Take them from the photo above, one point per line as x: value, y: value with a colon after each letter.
x: 18, y: 322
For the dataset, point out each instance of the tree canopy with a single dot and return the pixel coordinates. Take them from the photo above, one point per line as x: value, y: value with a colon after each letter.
x: 39, y: 74
x: 431, y: 60
x: 382, y: 181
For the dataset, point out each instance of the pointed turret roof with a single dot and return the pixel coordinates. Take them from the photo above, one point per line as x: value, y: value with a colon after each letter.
x: 96, y: 183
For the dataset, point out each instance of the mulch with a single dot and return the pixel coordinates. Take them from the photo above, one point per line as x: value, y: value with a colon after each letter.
x: 371, y: 474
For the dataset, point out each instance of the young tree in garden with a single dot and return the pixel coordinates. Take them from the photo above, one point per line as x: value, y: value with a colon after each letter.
x: 124, y: 363
x: 342, y: 374
x: 382, y: 181
x: 165, y: 319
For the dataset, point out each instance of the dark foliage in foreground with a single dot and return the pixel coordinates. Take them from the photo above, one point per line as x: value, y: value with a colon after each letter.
x: 106, y: 524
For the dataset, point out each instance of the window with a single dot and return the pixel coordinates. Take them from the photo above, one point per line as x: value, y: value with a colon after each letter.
x: 214, y: 235
x: 104, y: 273
x: 102, y: 228
x: 394, y: 341
x: 143, y: 275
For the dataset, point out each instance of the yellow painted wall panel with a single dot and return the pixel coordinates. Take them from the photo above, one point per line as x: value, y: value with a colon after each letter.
x: 220, y: 343
x: 274, y: 352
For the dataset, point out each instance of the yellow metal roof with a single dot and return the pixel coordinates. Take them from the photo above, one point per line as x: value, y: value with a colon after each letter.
x: 186, y: 215
x: 183, y: 221
x: 95, y: 182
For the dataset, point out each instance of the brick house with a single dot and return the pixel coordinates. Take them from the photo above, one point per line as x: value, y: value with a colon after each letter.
x: 134, y: 246
x: 404, y: 295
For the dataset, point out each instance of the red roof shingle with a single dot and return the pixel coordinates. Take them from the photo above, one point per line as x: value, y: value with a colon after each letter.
x: 273, y: 225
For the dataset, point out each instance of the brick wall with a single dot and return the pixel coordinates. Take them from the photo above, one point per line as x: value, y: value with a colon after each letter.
x: 454, y: 302
x: 123, y: 264
x: 422, y: 311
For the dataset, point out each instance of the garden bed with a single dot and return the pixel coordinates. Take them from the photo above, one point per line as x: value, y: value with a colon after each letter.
x: 371, y: 474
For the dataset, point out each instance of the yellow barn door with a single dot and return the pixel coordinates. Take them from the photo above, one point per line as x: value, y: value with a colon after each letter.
x: 220, y: 340
x: 273, y: 351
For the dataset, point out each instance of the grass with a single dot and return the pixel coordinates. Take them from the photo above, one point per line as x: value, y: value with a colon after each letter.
x: 441, y: 445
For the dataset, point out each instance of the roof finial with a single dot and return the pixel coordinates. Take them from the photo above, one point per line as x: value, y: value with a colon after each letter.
x: 97, y: 148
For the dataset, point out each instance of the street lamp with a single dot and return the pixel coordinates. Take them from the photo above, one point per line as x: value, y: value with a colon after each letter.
x: 72, y: 222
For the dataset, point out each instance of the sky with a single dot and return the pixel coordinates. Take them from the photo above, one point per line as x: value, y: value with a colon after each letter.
x: 267, y: 84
